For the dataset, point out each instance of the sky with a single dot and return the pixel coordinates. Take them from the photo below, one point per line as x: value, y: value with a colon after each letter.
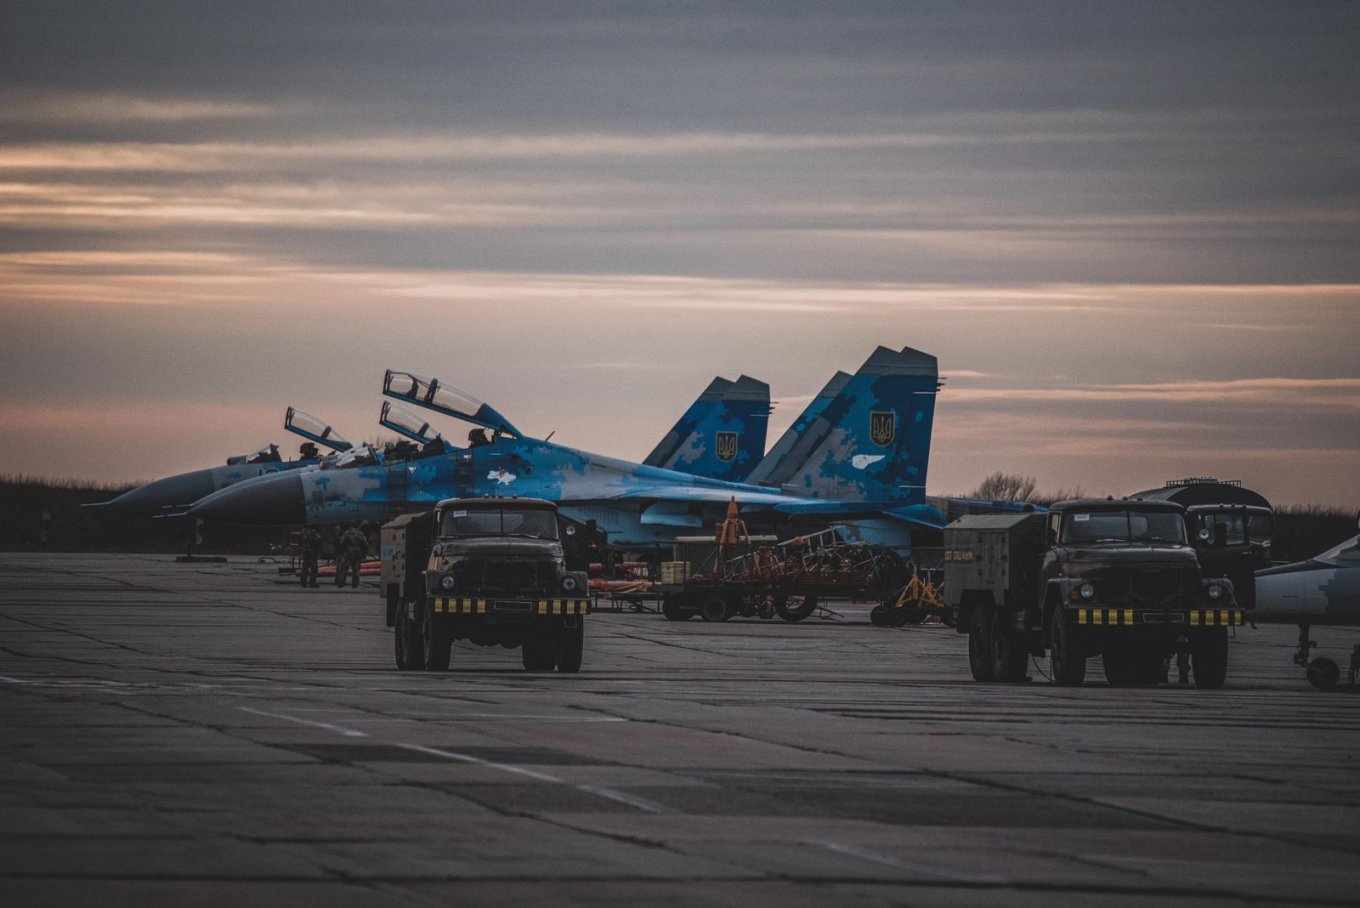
x: 1128, y: 231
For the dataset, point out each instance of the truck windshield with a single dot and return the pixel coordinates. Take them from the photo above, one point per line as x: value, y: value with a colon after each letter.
x: 535, y: 524
x: 1123, y: 526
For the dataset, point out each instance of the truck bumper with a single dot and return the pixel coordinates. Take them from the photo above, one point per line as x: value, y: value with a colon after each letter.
x: 1178, y: 618
x: 510, y: 607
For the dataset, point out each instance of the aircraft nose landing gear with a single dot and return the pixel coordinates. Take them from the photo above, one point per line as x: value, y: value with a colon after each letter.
x: 1322, y: 672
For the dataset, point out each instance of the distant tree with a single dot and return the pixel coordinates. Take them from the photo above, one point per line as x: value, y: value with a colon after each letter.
x: 1005, y: 487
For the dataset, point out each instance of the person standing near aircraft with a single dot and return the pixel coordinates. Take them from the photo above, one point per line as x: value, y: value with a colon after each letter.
x: 310, y: 544
x: 352, y: 548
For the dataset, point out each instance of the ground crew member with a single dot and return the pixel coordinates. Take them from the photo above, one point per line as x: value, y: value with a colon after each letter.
x: 353, y: 546
x: 310, y: 544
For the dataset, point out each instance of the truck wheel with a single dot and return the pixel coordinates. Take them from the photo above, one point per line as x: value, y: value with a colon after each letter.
x: 795, y: 608
x: 572, y: 648
x: 980, y: 643
x: 714, y: 609
x: 1209, y: 658
x: 436, y: 640
x: 1067, y: 655
x: 1009, y: 659
x: 408, y: 641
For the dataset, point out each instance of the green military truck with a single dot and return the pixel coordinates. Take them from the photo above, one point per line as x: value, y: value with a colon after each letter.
x: 487, y: 570
x: 1106, y: 577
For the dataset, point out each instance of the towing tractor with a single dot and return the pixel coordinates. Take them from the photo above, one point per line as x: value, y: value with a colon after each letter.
x: 1092, y: 577
x: 487, y: 570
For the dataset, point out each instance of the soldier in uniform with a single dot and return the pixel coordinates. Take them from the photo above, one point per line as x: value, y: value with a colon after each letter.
x: 353, y: 546
x: 310, y: 544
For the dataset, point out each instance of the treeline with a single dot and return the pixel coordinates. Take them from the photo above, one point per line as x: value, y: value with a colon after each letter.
x: 40, y: 514
x: 1301, y: 531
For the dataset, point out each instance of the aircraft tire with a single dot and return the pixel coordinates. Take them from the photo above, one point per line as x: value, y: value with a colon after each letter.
x: 1009, y: 659
x: 572, y: 648
x: 436, y: 640
x: 1209, y: 659
x: 1067, y: 651
x: 1323, y: 673
x: 796, y: 612
x: 878, y: 616
x: 980, y: 643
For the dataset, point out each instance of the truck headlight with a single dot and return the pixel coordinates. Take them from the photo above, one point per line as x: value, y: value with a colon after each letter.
x: 1215, y: 591
x: 570, y: 583
x: 447, y: 582
x: 1087, y: 591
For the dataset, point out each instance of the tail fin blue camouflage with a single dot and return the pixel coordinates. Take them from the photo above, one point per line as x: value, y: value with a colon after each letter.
x: 721, y: 435
x: 865, y: 437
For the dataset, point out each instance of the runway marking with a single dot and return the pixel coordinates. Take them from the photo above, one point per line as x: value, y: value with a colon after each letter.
x: 468, y: 758
x: 641, y: 803
x: 889, y: 861
x: 347, y: 732
x: 624, y: 797
x: 8, y: 679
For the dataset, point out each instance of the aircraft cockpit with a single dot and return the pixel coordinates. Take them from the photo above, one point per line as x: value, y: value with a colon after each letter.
x: 432, y: 394
x: 360, y: 456
x: 268, y: 454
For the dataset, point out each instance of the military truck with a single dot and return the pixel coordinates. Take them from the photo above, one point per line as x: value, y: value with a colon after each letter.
x: 1106, y: 577
x: 488, y: 570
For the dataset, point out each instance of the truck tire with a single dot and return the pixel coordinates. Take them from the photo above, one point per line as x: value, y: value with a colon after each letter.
x: 1209, y: 659
x: 407, y: 641
x: 572, y: 647
x: 436, y: 639
x: 1009, y: 659
x: 795, y: 608
x: 980, y: 643
x: 1067, y: 651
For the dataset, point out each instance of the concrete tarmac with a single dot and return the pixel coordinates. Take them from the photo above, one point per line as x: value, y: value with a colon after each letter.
x: 216, y: 734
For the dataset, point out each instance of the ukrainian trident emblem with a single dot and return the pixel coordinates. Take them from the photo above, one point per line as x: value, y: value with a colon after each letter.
x: 882, y: 427
x: 725, y: 446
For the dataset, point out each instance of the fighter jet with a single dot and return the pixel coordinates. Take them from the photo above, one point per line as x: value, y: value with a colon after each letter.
x: 859, y: 458
x: 175, y: 493
x: 1324, y: 590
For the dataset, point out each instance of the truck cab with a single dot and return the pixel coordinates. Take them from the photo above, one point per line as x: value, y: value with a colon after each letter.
x: 487, y: 570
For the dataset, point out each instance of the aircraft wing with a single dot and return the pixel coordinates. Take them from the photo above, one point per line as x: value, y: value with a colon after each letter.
x: 921, y: 515
x: 700, y: 495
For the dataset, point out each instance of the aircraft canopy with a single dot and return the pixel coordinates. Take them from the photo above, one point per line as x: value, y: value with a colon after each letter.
x: 405, y: 423
x: 432, y: 394
x: 313, y: 429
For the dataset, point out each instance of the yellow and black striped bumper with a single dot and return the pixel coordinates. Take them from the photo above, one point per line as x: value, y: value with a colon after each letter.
x: 1128, y: 617
x: 511, y: 606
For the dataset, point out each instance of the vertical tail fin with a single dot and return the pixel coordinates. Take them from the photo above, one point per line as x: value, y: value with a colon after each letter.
x: 721, y: 435
x: 799, y: 440
x: 865, y: 437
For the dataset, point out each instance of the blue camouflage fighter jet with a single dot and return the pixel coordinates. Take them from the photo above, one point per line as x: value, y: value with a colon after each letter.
x: 856, y: 457
x: 173, y: 494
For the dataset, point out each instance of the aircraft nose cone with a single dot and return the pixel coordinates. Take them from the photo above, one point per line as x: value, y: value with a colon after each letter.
x: 268, y: 501
x: 172, y: 491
